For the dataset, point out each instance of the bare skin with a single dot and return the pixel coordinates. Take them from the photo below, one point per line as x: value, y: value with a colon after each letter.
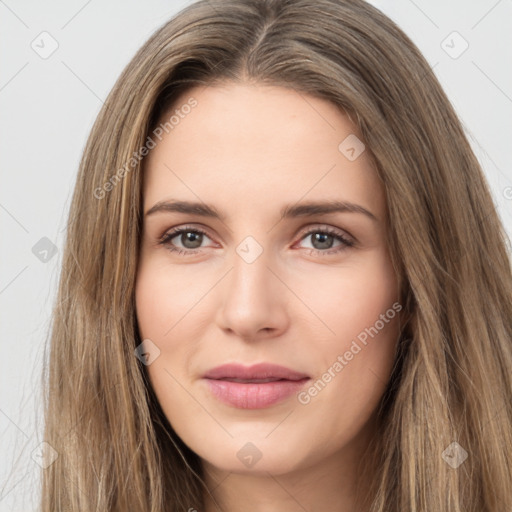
x: 302, y: 302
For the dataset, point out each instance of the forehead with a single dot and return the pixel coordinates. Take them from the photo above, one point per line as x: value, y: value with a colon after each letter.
x: 253, y: 146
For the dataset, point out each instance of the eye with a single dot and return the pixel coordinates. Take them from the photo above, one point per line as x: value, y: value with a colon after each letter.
x: 191, y: 240
x: 323, y: 238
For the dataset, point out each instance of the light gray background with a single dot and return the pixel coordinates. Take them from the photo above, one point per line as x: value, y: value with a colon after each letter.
x: 48, y: 106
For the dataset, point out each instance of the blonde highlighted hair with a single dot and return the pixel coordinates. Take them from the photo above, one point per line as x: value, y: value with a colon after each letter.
x: 452, y: 380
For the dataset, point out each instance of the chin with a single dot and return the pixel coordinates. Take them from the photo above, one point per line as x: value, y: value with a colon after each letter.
x: 244, y: 456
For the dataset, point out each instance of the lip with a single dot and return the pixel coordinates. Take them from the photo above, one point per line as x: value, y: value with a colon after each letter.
x: 270, y: 384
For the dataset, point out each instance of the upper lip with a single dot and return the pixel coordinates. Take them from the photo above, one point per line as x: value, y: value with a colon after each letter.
x: 257, y: 371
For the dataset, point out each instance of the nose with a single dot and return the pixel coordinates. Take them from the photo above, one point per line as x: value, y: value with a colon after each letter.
x: 253, y: 298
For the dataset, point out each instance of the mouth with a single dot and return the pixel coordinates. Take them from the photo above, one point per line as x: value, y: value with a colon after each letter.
x: 253, y: 387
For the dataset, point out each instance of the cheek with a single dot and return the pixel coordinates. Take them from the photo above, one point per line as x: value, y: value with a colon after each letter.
x: 348, y: 299
x: 370, y: 293
x: 359, y: 312
x: 163, y: 298
x: 167, y: 303
x: 162, y: 304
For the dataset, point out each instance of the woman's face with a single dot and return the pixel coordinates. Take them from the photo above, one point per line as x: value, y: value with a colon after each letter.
x: 260, y: 276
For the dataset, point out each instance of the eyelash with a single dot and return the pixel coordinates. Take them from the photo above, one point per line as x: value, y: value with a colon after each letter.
x: 167, y: 237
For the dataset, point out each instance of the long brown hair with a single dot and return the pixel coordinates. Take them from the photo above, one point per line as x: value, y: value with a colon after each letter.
x: 450, y: 394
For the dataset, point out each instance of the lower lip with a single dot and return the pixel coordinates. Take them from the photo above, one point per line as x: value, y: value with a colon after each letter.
x: 254, y: 395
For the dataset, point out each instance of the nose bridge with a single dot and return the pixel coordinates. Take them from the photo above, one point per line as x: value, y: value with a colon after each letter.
x: 250, y: 275
x: 251, y: 293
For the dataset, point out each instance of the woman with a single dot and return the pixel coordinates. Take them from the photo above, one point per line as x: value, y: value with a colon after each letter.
x: 204, y: 358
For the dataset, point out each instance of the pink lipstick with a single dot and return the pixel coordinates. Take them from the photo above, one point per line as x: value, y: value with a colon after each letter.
x: 253, y: 387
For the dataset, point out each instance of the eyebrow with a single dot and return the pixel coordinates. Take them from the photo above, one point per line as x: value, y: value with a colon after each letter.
x: 308, y: 209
